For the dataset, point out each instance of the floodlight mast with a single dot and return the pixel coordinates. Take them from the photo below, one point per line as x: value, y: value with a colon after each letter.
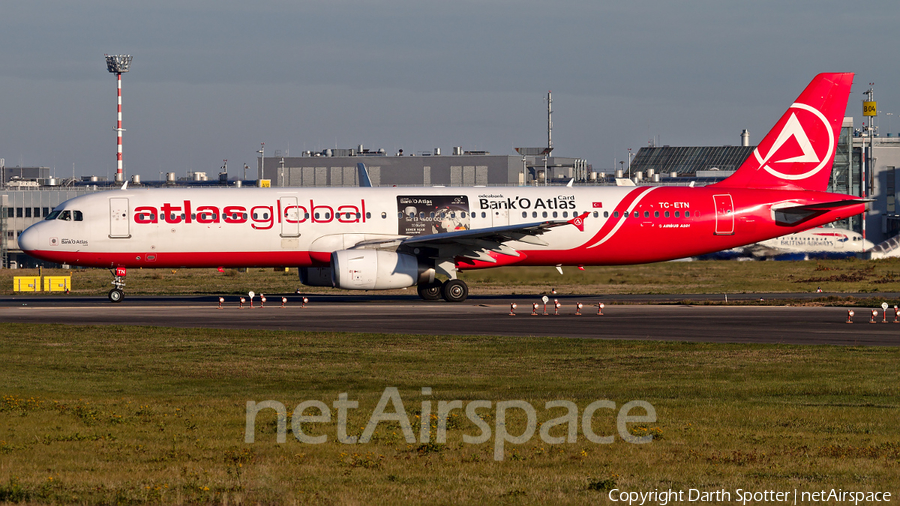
x: 118, y: 64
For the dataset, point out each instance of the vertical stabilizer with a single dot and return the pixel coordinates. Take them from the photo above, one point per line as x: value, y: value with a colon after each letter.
x: 799, y: 150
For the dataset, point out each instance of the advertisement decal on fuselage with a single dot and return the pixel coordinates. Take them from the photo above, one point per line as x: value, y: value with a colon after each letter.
x: 432, y: 214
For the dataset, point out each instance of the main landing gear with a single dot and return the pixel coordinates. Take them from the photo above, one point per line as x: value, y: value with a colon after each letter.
x: 452, y: 290
x: 117, y: 293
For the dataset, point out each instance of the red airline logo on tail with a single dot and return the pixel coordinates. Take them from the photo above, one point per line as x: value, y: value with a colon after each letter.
x: 793, y: 155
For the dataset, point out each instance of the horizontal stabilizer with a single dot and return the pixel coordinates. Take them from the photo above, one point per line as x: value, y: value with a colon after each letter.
x: 798, y: 214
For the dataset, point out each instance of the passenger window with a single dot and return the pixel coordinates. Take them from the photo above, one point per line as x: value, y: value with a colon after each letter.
x: 605, y: 214
x: 656, y: 214
x: 534, y: 214
x: 483, y: 215
x: 462, y: 214
x: 524, y: 214
x: 554, y: 214
x: 676, y: 214
x: 646, y: 214
x: 687, y: 214
x: 615, y: 214
x: 565, y: 214
x: 544, y: 214
x: 667, y: 214
x: 625, y: 214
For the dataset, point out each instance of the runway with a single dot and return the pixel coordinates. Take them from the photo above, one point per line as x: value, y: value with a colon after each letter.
x: 477, y: 316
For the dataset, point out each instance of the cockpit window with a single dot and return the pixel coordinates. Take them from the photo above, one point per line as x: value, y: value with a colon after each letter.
x: 66, y: 215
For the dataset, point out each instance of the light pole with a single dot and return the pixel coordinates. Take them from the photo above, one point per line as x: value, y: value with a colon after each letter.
x: 262, y: 158
x: 870, y: 110
x: 118, y: 64
x: 630, y: 154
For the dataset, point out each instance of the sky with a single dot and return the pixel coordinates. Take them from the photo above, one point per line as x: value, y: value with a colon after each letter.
x: 212, y: 79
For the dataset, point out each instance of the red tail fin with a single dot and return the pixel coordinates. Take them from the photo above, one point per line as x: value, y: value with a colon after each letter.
x: 799, y: 150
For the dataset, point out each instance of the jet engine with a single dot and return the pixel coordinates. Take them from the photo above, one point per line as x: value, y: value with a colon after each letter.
x: 368, y: 269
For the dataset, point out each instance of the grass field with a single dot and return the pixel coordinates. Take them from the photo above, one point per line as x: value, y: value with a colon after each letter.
x: 104, y: 415
x: 851, y: 275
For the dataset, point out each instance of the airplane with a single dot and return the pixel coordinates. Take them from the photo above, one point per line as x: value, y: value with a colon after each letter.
x: 820, y: 242
x: 369, y: 238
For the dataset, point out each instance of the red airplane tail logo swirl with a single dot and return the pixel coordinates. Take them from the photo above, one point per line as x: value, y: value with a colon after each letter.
x: 799, y: 150
x: 578, y: 221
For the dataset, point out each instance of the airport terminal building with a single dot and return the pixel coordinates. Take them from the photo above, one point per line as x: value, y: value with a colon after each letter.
x: 337, y: 167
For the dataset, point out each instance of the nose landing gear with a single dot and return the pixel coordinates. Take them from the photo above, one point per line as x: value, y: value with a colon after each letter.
x: 117, y: 293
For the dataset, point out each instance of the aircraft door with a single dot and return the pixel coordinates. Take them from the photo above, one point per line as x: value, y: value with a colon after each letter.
x: 724, y: 214
x: 291, y: 215
x: 119, y: 226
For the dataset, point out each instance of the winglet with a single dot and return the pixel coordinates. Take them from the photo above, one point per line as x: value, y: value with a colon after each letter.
x: 364, y: 181
x: 578, y: 221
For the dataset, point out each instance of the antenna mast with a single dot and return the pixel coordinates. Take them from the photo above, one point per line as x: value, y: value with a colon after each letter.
x: 549, y: 122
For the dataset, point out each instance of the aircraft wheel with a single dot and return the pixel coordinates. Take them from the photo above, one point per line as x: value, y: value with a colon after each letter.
x: 116, y: 295
x: 430, y: 291
x: 454, y: 290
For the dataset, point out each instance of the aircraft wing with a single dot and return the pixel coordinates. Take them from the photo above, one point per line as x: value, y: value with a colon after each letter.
x: 477, y: 243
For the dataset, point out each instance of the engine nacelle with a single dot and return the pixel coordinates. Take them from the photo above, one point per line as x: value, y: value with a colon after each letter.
x: 368, y: 269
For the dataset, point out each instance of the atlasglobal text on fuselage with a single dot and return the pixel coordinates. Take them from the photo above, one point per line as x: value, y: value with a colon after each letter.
x: 381, y: 238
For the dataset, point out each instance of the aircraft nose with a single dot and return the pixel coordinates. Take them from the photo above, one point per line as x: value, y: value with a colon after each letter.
x: 30, y: 239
